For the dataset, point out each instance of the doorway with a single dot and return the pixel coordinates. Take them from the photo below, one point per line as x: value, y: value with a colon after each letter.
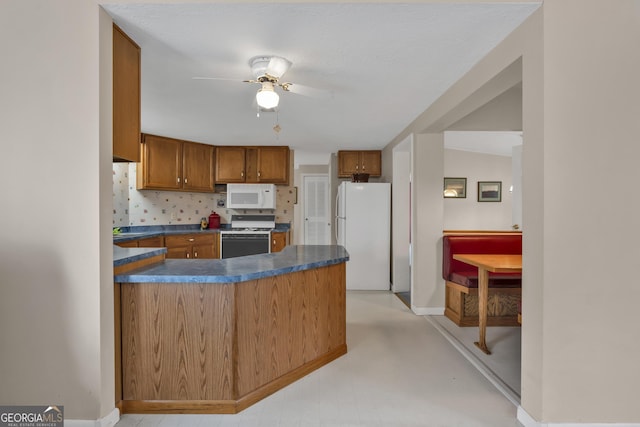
x: 316, y: 209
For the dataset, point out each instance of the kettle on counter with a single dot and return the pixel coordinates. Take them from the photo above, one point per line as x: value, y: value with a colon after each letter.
x: 214, y: 220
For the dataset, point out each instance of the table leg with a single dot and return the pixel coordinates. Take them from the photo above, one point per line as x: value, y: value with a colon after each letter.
x: 483, y: 297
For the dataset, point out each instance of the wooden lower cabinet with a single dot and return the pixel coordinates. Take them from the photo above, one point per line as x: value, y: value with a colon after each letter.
x: 279, y: 239
x: 192, y: 246
x: 151, y: 242
x: 221, y: 347
x: 147, y: 242
x: 182, y: 246
x: 128, y: 244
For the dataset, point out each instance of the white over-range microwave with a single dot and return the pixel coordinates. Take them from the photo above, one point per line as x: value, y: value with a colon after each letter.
x: 251, y: 196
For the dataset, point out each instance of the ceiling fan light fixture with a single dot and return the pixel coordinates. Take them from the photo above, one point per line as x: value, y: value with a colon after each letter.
x: 272, y: 66
x: 278, y: 66
x: 266, y: 97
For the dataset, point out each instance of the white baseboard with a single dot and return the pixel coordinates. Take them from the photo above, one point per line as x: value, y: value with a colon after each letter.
x: 427, y: 311
x: 527, y: 421
x: 109, y: 421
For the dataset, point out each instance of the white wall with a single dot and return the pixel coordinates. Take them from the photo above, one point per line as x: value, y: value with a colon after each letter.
x: 56, y: 302
x: 467, y: 213
x: 401, y: 218
x: 427, y: 169
x: 588, y: 320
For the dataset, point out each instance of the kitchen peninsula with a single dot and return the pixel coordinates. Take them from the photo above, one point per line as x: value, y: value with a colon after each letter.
x: 216, y: 336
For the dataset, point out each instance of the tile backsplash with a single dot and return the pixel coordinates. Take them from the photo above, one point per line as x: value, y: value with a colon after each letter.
x: 149, y: 207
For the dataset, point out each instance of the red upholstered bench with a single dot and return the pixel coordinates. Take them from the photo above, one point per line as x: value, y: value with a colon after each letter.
x: 461, y: 297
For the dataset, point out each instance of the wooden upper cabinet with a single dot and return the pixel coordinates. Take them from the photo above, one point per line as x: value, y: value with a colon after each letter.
x: 126, y: 98
x: 173, y: 164
x: 230, y: 164
x: 268, y: 164
x: 161, y: 166
x: 273, y: 165
x: 197, y: 167
x: 371, y: 162
x: 350, y: 162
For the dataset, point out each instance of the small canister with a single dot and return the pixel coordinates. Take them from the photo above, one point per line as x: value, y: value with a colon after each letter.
x: 214, y: 220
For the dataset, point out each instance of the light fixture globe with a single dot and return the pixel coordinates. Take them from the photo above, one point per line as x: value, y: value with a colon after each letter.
x: 266, y: 97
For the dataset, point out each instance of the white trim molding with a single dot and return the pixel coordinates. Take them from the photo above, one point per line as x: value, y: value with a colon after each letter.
x: 109, y: 421
x: 527, y: 421
x: 427, y: 311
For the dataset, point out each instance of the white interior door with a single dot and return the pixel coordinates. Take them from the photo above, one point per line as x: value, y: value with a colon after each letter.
x: 317, y: 210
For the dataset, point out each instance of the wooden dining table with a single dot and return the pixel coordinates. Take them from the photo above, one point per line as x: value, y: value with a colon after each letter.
x: 486, y: 263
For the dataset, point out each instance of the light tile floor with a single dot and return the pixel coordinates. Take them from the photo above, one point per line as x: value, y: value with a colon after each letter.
x: 502, y: 366
x: 399, y: 371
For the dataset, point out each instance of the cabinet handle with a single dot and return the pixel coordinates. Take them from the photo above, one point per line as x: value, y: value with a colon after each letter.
x: 185, y: 180
x: 242, y: 174
x: 178, y: 180
x: 363, y: 168
x: 195, y: 254
x: 191, y: 239
x: 187, y: 254
x: 274, y: 243
x: 258, y: 174
x: 356, y: 167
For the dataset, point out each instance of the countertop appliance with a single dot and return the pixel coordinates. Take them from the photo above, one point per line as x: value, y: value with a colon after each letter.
x: 251, y: 196
x: 363, y: 227
x: 248, y: 235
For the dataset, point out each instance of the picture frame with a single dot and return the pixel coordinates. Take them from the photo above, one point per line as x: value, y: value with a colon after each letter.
x: 455, y: 188
x: 489, y: 191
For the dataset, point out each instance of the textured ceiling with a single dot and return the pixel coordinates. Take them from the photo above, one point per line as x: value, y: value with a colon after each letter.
x: 375, y: 66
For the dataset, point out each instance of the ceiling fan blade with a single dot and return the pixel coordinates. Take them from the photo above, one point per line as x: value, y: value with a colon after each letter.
x: 277, y: 66
x: 219, y: 78
x: 306, y: 90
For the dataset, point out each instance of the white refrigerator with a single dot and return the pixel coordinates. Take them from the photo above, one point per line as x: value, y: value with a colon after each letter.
x: 363, y: 223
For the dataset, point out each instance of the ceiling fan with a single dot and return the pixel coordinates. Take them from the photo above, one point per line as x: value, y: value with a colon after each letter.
x: 267, y: 71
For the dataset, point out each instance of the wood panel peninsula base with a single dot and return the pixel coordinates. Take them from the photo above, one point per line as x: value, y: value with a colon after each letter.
x: 211, y: 347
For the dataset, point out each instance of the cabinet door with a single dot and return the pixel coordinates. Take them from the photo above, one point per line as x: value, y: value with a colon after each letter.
x: 161, y: 163
x: 203, y: 245
x: 197, y: 167
x: 371, y: 162
x: 204, y: 251
x: 126, y: 98
x: 178, y: 246
x: 179, y: 252
x: 230, y: 163
x: 348, y: 163
x: 273, y: 165
x: 151, y: 242
x: 251, y: 164
x: 128, y: 244
x: 278, y: 241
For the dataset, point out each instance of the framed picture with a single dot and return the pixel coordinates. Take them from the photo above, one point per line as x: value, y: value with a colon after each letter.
x: 489, y: 191
x: 455, y: 188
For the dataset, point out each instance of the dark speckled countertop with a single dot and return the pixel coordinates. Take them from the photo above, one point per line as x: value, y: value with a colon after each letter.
x: 122, y: 256
x: 240, y: 269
